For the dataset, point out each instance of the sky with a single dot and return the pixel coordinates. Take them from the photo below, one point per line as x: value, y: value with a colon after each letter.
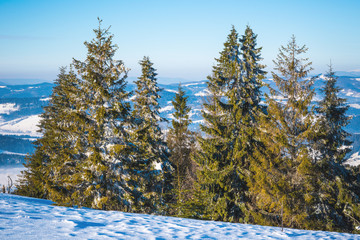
x: 181, y: 37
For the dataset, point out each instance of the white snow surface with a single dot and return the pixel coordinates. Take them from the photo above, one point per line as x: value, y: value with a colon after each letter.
x: 170, y: 90
x: 12, y: 172
x: 354, y: 160
x: 31, y: 218
x: 21, y: 126
x: 351, y: 93
x: 166, y: 109
x: 193, y: 84
x: 7, y: 108
x: 203, y: 93
x: 355, y: 105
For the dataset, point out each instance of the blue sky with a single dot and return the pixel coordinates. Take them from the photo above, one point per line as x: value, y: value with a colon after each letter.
x: 181, y: 37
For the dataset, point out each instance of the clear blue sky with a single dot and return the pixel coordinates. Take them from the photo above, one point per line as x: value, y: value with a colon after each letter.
x: 181, y: 37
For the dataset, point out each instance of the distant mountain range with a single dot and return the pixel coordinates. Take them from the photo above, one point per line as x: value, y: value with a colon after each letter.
x: 21, y: 105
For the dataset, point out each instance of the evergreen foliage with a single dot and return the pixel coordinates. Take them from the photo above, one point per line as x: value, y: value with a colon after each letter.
x: 283, y: 181
x: 53, y: 164
x: 181, y: 144
x: 153, y: 175
x: 230, y: 117
x: 105, y: 181
x: 337, y: 199
x: 279, y: 164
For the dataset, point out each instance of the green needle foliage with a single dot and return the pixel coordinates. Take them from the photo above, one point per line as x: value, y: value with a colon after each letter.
x: 337, y: 199
x: 279, y: 164
x: 230, y: 126
x: 105, y: 182
x: 152, y: 157
x: 52, y: 169
x: 181, y: 144
x: 284, y: 173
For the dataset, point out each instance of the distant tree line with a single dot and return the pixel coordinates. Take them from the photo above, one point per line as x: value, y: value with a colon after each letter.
x: 270, y: 159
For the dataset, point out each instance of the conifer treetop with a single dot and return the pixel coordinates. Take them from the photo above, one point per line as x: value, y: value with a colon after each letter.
x: 99, y: 65
x: 292, y: 81
x: 181, y: 109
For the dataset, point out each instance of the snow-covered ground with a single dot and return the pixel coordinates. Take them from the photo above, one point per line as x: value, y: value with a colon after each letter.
x: 21, y: 126
x: 11, y: 171
x: 354, y: 159
x: 30, y: 218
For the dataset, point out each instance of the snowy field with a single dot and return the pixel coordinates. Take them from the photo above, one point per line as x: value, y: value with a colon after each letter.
x: 12, y: 171
x: 30, y: 218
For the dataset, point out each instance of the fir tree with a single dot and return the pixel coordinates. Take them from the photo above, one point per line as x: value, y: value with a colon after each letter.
x: 54, y: 161
x: 333, y: 120
x: 253, y: 74
x: 283, y: 181
x: 152, y: 156
x: 181, y: 144
x: 230, y: 118
x: 105, y: 182
x: 337, y: 200
x: 63, y: 122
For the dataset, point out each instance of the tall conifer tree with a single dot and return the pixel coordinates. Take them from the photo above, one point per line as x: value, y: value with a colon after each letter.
x: 230, y: 123
x: 62, y: 140
x: 154, y: 176
x: 337, y: 200
x: 105, y: 182
x: 181, y: 143
x: 284, y: 173
x: 51, y: 169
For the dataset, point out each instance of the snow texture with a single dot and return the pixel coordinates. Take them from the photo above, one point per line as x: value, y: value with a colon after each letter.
x: 21, y: 126
x: 170, y: 90
x: 354, y: 160
x: 30, y: 218
x: 355, y: 105
x: 203, y: 93
x: 7, y: 108
x: 13, y: 172
x: 166, y: 109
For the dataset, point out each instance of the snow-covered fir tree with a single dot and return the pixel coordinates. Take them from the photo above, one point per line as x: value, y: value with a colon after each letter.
x: 337, y: 202
x: 181, y: 141
x: 51, y: 170
x: 106, y: 182
x: 152, y: 164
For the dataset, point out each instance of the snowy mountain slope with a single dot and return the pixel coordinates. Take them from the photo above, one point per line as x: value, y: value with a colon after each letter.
x: 30, y: 218
x: 21, y: 126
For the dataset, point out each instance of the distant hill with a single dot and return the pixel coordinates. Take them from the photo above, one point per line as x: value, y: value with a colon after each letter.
x: 22, y: 81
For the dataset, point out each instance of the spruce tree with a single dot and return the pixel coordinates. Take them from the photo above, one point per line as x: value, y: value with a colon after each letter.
x: 253, y: 74
x: 230, y: 123
x: 53, y: 164
x: 283, y: 181
x: 62, y: 140
x: 106, y: 182
x: 181, y: 144
x: 152, y: 156
x: 337, y: 201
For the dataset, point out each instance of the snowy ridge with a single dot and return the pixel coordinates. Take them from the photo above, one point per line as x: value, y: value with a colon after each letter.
x: 31, y: 218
